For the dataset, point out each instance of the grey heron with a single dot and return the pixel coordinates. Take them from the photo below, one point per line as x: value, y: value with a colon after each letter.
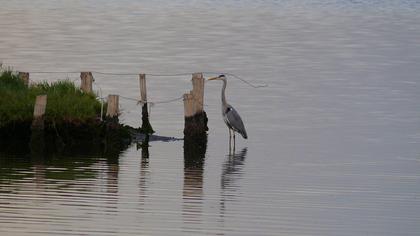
x: 230, y: 115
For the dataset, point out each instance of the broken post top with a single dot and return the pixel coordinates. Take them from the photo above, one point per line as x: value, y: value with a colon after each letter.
x: 195, y: 117
x: 195, y: 123
x: 197, y: 75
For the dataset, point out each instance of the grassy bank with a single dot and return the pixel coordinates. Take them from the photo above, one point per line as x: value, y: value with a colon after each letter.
x: 72, y: 117
x: 66, y: 103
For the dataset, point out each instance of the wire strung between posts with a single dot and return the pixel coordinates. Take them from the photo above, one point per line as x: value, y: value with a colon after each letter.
x: 127, y: 98
x: 54, y: 72
x: 169, y: 75
x: 155, y: 75
x: 212, y: 72
x: 149, y: 74
x: 152, y: 103
x: 109, y: 73
x: 166, y: 101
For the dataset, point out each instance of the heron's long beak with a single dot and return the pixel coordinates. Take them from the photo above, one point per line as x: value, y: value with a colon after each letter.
x: 213, y: 78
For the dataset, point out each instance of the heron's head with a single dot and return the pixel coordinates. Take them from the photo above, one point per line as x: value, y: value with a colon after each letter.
x: 220, y: 77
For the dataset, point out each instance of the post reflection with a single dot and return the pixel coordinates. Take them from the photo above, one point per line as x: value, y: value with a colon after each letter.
x: 144, y: 170
x: 194, y: 158
x: 112, y: 174
x: 231, y: 173
x: 39, y: 171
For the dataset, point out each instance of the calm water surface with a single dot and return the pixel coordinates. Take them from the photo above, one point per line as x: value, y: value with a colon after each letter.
x: 334, y: 140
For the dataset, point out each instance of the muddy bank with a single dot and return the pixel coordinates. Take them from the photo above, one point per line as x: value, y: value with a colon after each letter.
x: 64, y: 137
x: 68, y: 137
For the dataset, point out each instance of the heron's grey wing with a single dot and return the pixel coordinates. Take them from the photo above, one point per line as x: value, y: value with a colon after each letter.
x: 235, y: 121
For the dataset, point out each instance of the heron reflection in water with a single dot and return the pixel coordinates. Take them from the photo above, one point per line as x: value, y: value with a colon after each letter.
x: 231, y: 174
x: 232, y: 168
x: 230, y: 115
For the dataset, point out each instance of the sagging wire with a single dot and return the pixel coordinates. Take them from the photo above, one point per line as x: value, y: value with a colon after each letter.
x: 152, y: 103
x: 237, y: 77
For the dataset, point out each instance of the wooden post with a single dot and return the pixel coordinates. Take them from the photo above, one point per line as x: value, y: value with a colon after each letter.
x: 198, y: 92
x: 143, y: 91
x: 188, y: 105
x: 112, y: 109
x: 37, y: 142
x: 195, y: 140
x: 86, y: 83
x: 195, y: 116
x: 25, y: 77
x: 39, y: 112
x: 146, y: 127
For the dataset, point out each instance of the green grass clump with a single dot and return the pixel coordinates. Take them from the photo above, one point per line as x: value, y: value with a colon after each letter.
x: 65, y: 102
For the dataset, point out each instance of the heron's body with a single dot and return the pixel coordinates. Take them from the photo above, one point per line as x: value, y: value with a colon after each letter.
x: 230, y: 115
x: 234, y: 121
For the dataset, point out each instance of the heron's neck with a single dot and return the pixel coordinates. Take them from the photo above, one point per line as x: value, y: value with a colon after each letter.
x: 223, y: 93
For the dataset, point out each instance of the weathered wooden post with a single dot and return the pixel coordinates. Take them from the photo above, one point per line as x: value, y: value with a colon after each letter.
x: 195, y: 140
x: 37, y: 142
x: 39, y: 112
x: 188, y: 105
x: 112, y: 109
x: 195, y: 116
x: 146, y: 127
x: 114, y: 131
x: 86, y: 83
x: 25, y: 77
x: 198, y: 92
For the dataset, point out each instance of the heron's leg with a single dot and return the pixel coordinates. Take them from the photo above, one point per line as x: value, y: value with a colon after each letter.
x: 234, y: 142
x: 230, y: 139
